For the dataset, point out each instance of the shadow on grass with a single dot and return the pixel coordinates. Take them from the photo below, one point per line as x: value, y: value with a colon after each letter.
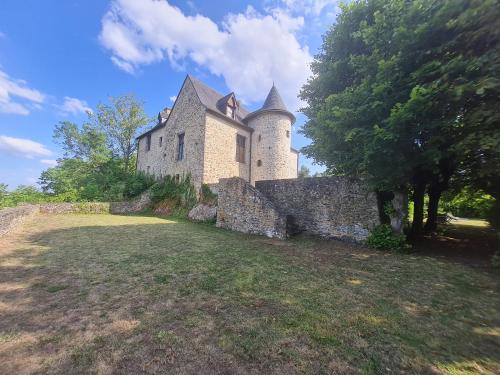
x: 161, y: 295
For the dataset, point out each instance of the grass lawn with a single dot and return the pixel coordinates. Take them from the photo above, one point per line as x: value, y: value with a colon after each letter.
x: 130, y: 294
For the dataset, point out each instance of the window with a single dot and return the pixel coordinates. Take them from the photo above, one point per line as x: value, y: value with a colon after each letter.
x: 240, y: 148
x: 148, y: 142
x: 177, y: 178
x: 147, y: 169
x: 230, y: 111
x: 161, y: 141
x: 260, y: 138
x: 259, y: 163
x: 180, y: 146
x: 288, y: 133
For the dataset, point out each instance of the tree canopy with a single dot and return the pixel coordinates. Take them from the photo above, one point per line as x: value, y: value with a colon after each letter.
x: 98, y: 162
x: 404, y: 94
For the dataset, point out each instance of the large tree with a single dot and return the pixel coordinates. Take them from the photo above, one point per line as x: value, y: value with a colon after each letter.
x: 99, y: 154
x: 120, y: 121
x: 401, y: 90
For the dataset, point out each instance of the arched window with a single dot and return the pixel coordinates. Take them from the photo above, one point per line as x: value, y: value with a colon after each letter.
x: 259, y: 163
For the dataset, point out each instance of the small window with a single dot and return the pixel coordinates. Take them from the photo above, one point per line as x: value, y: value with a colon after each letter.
x: 147, y: 169
x: 148, y: 142
x: 177, y: 178
x: 161, y: 141
x: 240, y: 148
x: 230, y: 111
x: 259, y: 163
x: 260, y: 137
x: 180, y: 146
x: 288, y: 133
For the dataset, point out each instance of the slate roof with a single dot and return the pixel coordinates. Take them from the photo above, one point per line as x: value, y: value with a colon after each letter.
x: 211, y: 100
x: 216, y: 103
x: 273, y: 103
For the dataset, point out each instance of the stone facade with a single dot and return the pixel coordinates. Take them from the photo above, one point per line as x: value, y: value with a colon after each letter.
x: 272, y: 157
x: 220, y: 150
x: 331, y: 207
x: 243, y: 208
x: 210, y: 139
x: 187, y: 117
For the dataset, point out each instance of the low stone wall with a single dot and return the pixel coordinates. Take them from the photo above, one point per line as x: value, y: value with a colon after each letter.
x: 79, y: 207
x: 336, y: 207
x: 139, y: 204
x: 243, y: 208
x: 332, y: 207
x: 11, y: 217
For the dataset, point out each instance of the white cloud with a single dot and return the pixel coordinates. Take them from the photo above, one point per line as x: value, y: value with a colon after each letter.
x: 49, y: 162
x: 249, y: 50
x: 173, y: 98
x: 311, y: 7
x: 18, y: 89
x: 22, y: 147
x: 74, y: 106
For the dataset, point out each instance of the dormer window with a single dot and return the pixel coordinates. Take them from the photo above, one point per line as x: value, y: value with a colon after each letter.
x: 231, y: 106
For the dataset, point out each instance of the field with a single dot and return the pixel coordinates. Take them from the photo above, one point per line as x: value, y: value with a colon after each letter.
x: 137, y: 294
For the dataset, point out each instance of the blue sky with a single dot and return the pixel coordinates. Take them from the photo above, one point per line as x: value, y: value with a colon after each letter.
x: 59, y: 58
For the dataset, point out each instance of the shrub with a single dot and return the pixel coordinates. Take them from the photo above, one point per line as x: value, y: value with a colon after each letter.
x: 382, y: 237
x: 180, y: 193
x: 137, y: 184
x: 207, y: 196
x: 495, y: 260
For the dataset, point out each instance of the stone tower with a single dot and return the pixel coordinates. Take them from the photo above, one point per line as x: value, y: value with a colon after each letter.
x: 271, y: 139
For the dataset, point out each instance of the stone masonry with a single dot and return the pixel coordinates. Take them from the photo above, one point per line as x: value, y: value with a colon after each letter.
x: 243, y: 208
x: 331, y: 207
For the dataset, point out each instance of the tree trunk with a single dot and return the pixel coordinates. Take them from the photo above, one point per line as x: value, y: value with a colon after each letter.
x: 438, y: 184
x: 432, y: 210
x: 418, y: 207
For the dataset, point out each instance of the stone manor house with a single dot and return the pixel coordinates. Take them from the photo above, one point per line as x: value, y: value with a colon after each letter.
x: 212, y: 136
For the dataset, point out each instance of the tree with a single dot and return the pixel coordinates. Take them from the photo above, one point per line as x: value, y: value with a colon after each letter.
x: 121, y: 121
x: 98, y: 155
x: 304, y: 172
x: 399, y: 92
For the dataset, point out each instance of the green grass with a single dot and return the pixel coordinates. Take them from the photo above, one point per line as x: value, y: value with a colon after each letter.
x: 136, y: 294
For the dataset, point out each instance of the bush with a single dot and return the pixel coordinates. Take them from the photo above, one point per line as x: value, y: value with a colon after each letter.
x: 495, y: 260
x: 468, y: 202
x: 382, y: 237
x: 137, y: 184
x: 207, y: 196
x: 179, y: 192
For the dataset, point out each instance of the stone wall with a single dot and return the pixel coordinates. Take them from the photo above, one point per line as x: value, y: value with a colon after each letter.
x: 188, y: 117
x: 326, y: 206
x: 332, y: 207
x: 139, y: 204
x: 243, y: 208
x: 11, y: 217
x: 75, y: 208
x: 220, y: 150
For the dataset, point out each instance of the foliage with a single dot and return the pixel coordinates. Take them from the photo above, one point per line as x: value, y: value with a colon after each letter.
x: 495, y: 260
x: 468, y: 203
x: 403, y: 94
x: 137, y: 183
x: 180, y: 193
x: 382, y: 237
x: 120, y: 122
x: 99, y: 155
x: 207, y: 196
x: 304, y: 172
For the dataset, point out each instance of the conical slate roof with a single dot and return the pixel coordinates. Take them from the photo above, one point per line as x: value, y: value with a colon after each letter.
x: 273, y: 103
